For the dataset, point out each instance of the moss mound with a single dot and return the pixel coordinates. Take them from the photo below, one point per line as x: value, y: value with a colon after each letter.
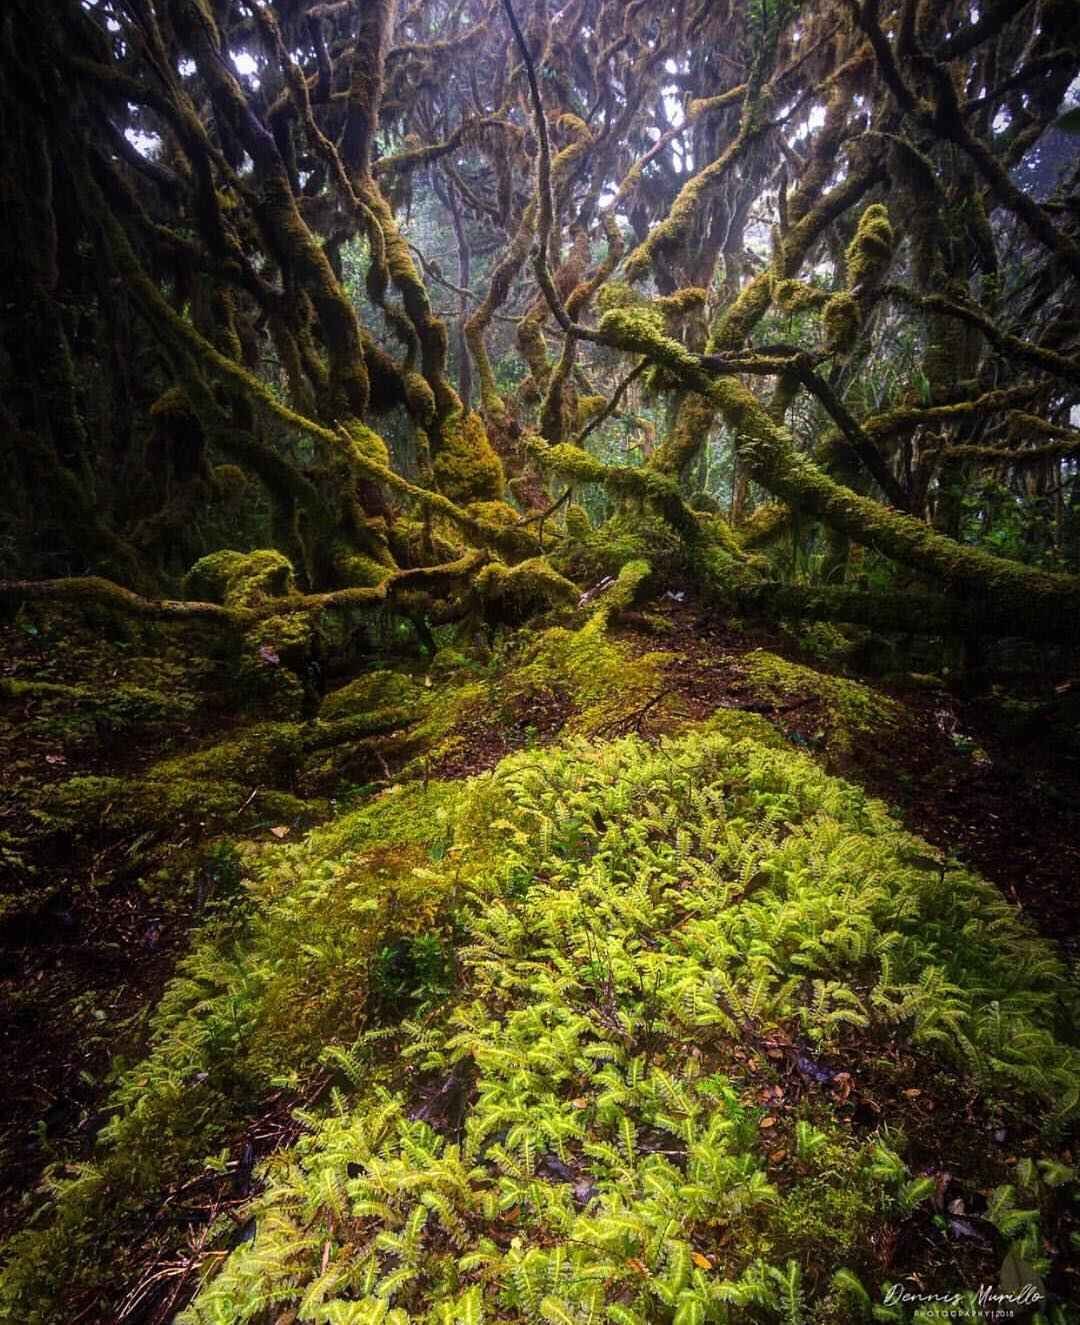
x: 369, y: 693
x: 847, y: 710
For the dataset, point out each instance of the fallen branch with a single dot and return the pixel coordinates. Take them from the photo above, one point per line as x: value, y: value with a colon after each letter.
x: 92, y: 589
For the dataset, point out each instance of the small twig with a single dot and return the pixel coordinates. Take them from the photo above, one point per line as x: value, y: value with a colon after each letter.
x: 613, y: 404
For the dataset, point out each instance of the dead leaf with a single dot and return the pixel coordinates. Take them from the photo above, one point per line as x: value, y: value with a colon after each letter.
x: 55, y: 759
x: 280, y: 831
x: 640, y: 1266
x: 777, y: 1156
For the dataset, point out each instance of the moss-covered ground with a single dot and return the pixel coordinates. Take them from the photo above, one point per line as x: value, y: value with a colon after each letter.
x: 563, y: 982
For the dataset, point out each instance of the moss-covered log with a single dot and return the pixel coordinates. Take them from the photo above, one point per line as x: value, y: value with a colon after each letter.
x: 900, y: 611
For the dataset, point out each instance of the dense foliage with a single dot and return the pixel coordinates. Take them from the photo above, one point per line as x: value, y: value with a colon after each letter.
x: 360, y: 282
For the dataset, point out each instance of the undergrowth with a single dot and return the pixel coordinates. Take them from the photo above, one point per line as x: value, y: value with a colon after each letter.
x: 547, y: 1000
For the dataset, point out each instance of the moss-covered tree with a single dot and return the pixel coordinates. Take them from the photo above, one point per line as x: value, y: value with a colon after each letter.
x: 838, y: 241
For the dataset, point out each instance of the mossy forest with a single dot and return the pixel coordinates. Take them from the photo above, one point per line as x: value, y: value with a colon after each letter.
x: 539, y: 662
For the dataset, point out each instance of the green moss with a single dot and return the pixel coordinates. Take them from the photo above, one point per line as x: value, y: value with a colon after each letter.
x: 588, y: 407
x: 642, y: 330
x: 466, y: 467
x: 596, y: 554
x: 578, y: 526
x: 603, y: 678
x: 172, y: 404
x: 240, y: 579
x: 870, y: 251
x: 842, y: 320
x: 766, y: 524
x: 367, y: 442
x: 850, y: 711
x: 230, y: 483
x: 355, y: 570
x: 369, y: 693
x: 494, y: 512
x: 420, y: 400
x: 78, y: 713
x: 793, y: 297
x: 512, y: 594
x: 168, y: 806
x: 266, y: 752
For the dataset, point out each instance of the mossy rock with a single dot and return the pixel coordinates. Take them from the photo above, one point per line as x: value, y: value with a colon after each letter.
x: 511, y: 595
x: 369, y: 693
x: 240, y: 579
x: 267, y: 752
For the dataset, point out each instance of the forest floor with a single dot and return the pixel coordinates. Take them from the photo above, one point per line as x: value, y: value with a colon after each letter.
x: 86, y: 959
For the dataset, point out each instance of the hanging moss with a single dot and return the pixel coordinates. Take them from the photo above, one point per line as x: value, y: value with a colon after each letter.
x: 870, y: 251
x: 466, y: 467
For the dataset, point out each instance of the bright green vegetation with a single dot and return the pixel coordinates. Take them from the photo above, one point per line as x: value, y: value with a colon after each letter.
x: 529, y: 1019
x: 849, y: 709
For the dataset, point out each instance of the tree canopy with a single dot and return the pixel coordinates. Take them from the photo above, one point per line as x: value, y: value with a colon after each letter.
x: 376, y: 285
